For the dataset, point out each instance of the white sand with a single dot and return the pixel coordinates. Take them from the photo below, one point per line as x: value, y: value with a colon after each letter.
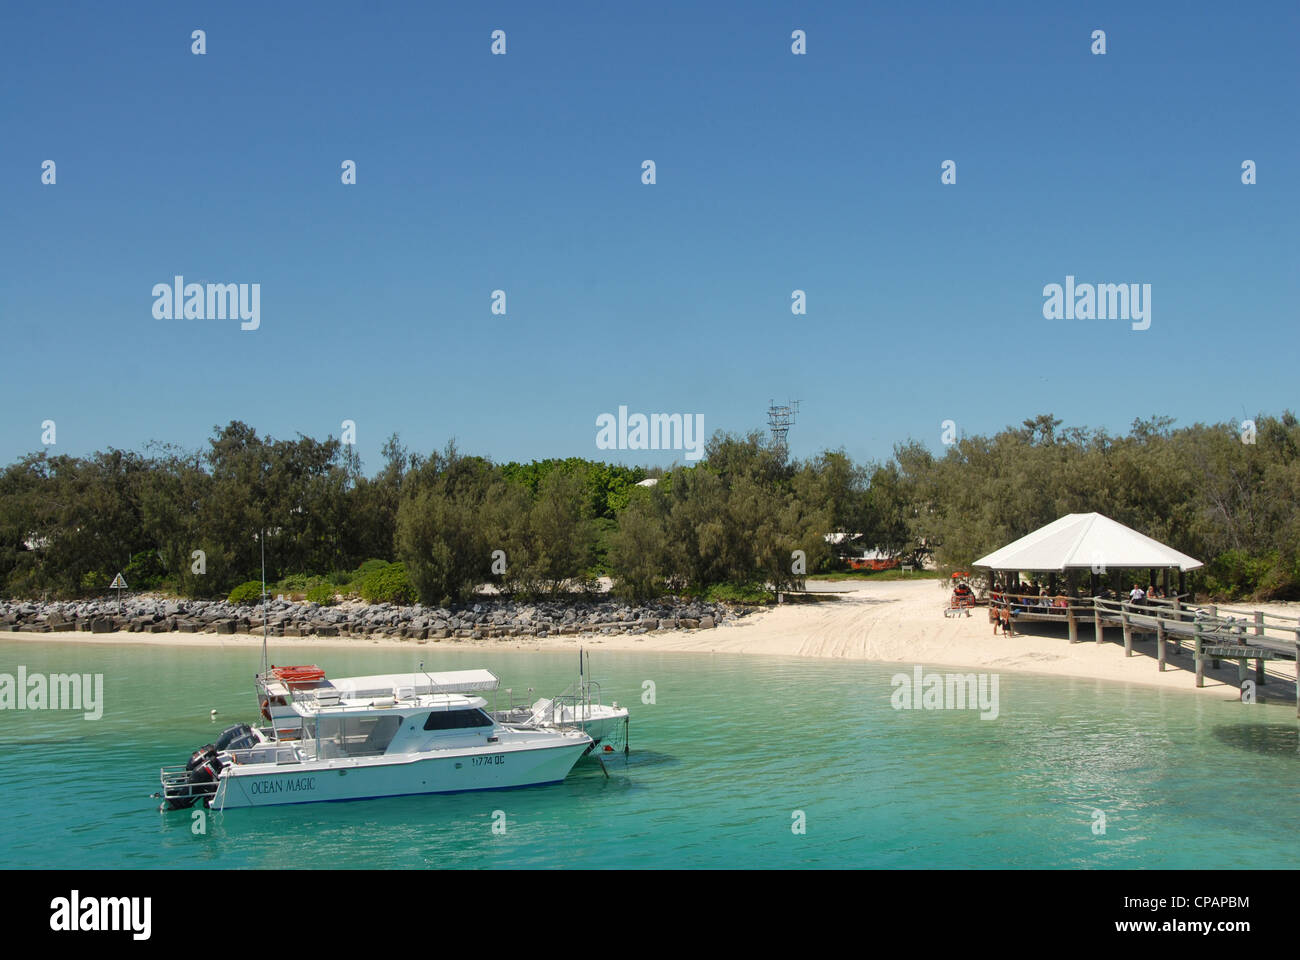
x: 890, y: 621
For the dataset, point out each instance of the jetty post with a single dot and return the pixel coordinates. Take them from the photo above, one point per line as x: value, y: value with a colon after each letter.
x: 1160, y: 641
x: 1096, y: 619
x: 1074, y: 624
x: 1128, y: 630
x: 1214, y: 615
x: 1200, y: 661
x: 1260, y: 675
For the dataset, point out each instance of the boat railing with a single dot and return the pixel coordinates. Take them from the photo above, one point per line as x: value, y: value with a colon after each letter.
x: 264, y: 754
x: 177, y: 785
x: 578, y: 698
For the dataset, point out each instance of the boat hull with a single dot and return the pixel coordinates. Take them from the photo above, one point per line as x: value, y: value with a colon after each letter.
x: 264, y: 785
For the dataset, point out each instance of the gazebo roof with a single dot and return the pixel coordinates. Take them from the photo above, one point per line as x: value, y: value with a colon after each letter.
x: 1081, y: 541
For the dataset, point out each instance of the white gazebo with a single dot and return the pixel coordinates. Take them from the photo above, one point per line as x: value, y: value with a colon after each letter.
x: 1091, y: 542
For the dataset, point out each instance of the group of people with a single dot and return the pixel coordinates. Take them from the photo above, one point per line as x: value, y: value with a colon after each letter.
x: 1024, y: 597
x: 1152, y: 592
x: 1139, y: 593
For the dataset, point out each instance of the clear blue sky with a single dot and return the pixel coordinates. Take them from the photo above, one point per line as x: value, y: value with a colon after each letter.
x: 522, y: 172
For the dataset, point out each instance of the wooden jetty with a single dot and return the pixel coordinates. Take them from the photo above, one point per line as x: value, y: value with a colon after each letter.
x: 1214, y: 634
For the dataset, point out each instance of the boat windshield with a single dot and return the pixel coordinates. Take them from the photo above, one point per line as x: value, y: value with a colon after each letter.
x: 356, y: 736
x: 457, y: 720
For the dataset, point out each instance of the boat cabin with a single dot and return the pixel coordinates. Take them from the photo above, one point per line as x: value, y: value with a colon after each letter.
x: 374, y: 715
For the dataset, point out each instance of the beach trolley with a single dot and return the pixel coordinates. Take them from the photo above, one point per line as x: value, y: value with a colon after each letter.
x: 963, y: 597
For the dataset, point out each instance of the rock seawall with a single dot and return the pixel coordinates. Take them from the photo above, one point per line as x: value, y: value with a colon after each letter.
x: 287, y: 618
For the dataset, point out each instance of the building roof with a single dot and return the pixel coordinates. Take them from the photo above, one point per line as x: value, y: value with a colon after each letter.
x: 1082, y: 541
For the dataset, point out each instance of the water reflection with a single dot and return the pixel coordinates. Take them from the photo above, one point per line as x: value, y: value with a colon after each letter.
x: 1268, y: 738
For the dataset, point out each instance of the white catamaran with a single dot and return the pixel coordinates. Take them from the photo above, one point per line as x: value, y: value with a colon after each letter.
x: 360, y: 737
x: 353, y: 738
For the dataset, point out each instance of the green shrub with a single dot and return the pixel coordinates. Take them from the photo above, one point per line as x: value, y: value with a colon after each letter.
x: 295, y: 583
x: 1238, y: 574
x: 250, y: 591
x: 145, y: 571
x: 367, y: 568
x: 95, y: 582
x: 739, y: 593
x: 349, y: 581
x: 388, y: 585
x: 322, y: 593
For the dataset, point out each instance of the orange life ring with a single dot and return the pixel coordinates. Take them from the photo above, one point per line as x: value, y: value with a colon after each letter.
x: 299, y: 674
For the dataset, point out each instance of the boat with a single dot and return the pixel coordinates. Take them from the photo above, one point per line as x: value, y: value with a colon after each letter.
x: 579, y: 707
x: 356, y: 738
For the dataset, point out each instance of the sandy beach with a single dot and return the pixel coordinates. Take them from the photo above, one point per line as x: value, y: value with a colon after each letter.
x: 884, y: 621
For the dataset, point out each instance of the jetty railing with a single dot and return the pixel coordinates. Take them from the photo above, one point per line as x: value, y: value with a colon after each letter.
x: 1215, y: 633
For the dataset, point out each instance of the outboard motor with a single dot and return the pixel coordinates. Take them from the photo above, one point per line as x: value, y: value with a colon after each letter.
x: 238, y: 737
x: 198, y: 782
x: 201, y: 756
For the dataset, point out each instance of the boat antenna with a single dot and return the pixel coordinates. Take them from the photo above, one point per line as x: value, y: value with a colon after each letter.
x: 261, y: 537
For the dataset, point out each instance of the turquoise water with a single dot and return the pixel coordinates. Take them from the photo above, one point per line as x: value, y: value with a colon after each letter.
x: 731, y: 748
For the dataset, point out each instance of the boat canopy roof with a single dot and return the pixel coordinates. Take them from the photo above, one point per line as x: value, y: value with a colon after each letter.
x: 415, y: 683
x: 435, y: 702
